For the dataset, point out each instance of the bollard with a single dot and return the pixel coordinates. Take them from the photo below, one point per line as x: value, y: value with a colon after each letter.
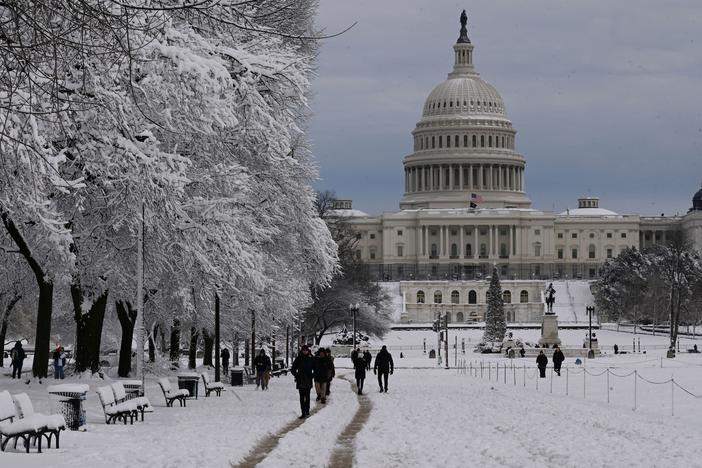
x: 584, y: 384
x: 672, y: 395
x: 551, y: 390
x: 514, y: 375
x: 608, y: 385
x: 524, y: 374
x: 481, y: 369
x: 489, y: 371
x: 636, y: 379
x: 566, y: 381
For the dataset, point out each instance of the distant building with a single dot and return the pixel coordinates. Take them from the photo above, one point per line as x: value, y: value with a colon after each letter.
x: 465, y: 205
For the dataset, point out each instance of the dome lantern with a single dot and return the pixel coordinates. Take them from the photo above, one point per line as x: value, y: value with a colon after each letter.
x: 463, y: 52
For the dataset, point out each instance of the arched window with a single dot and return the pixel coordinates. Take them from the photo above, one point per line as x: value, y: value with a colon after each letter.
x: 459, y: 317
x: 507, y: 297
x: 524, y: 296
x: 591, y: 252
x: 455, y: 297
x: 482, y: 141
x: 503, y: 250
x: 437, y: 297
x: 472, y: 297
x: 420, y: 297
x: 448, y: 317
x: 469, y: 250
x: 475, y: 139
x: 434, y: 251
x: 483, y: 250
x: 454, y: 250
x: 433, y: 142
x: 465, y: 141
x: 490, y: 141
x: 455, y: 140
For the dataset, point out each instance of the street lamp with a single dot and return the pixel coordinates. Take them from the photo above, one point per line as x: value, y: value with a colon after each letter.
x: 354, y: 310
x: 590, y: 310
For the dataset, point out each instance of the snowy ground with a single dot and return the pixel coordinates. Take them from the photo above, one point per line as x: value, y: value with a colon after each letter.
x: 502, y: 416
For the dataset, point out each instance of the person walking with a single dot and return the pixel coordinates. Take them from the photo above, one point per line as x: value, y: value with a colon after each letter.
x: 303, y: 371
x: 359, y: 364
x: 368, y: 358
x: 322, y: 370
x: 332, y: 370
x: 17, y: 356
x: 225, y: 360
x: 541, y: 362
x: 558, y: 358
x: 262, y: 363
x: 383, y: 366
x: 616, y: 348
x: 59, y: 362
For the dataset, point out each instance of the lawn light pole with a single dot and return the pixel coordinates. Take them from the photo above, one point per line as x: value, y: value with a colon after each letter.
x: 590, y: 310
x: 354, y: 310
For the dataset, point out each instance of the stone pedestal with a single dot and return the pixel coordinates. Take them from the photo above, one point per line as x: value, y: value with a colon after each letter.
x: 549, y: 331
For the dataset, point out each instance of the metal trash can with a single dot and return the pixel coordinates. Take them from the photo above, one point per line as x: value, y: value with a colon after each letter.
x: 237, y: 377
x: 68, y: 400
x: 189, y: 382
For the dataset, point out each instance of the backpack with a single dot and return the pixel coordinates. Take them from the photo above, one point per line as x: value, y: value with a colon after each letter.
x: 14, y: 354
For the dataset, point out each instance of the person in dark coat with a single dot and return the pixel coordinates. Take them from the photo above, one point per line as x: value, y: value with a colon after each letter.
x: 616, y: 348
x: 225, y: 360
x: 17, y: 355
x: 322, y: 371
x: 263, y: 366
x: 359, y: 364
x: 522, y: 352
x: 368, y: 358
x: 542, y: 362
x: 303, y: 371
x: 332, y: 370
x: 558, y: 358
x: 383, y: 366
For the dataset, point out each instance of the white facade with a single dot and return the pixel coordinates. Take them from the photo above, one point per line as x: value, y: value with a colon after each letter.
x: 465, y: 206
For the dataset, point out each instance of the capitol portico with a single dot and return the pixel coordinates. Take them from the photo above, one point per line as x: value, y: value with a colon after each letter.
x: 465, y: 207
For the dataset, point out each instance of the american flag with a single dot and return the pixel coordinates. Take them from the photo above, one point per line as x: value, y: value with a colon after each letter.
x: 475, y: 199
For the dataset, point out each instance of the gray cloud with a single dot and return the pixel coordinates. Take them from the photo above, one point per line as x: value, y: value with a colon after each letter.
x: 605, y: 95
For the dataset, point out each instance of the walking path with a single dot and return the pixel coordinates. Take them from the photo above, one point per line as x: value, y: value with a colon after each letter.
x: 343, y: 454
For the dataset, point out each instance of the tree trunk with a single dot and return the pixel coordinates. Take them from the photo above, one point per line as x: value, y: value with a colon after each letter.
x: 246, y: 353
x: 175, y: 344
x: 192, y: 351
x: 152, y: 344
x: 127, y: 316
x: 88, y: 329
x: 235, y: 350
x: 42, y: 338
x: 208, y: 340
x: 5, y: 323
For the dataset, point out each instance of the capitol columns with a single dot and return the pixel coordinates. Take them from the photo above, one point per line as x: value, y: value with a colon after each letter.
x: 462, y: 245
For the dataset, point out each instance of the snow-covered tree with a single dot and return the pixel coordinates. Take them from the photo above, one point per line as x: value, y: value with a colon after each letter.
x: 495, y: 325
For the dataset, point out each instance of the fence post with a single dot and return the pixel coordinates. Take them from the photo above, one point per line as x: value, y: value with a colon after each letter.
x: 524, y: 374
x: 636, y: 378
x: 608, y: 385
x: 514, y: 374
x: 551, y: 391
x: 481, y: 369
x: 505, y: 375
x: 566, y: 381
x: 584, y: 381
x: 672, y: 395
x: 489, y: 371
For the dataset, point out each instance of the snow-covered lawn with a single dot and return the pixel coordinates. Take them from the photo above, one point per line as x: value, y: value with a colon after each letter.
x: 438, y: 418
x: 208, y: 432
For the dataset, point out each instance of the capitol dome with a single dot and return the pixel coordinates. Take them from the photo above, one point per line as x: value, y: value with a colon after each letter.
x: 464, y: 144
x: 697, y: 201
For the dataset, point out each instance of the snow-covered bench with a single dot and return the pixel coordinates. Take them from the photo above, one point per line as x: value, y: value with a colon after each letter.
x: 141, y: 403
x: 29, y: 425
x: 249, y: 375
x: 210, y: 386
x: 116, y: 411
x: 172, y: 395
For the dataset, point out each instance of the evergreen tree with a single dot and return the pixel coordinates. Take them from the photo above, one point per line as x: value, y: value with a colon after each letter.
x: 495, y: 325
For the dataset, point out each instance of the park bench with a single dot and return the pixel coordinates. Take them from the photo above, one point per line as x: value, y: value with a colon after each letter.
x: 249, y: 375
x: 210, y: 386
x: 29, y: 425
x: 279, y: 369
x: 172, y: 395
x: 140, y: 403
x: 116, y: 411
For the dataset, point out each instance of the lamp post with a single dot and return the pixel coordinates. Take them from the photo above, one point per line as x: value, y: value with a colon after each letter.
x: 354, y: 310
x: 590, y: 310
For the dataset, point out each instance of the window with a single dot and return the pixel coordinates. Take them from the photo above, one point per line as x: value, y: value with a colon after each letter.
x: 437, y: 297
x: 399, y: 232
x: 455, y: 141
x: 609, y: 235
x: 475, y: 141
x: 472, y: 297
x: 503, y: 251
x: 372, y: 236
x: 454, y: 251
x: 455, y: 297
x: 400, y: 250
x: 609, y: 253
x: 574, y: 253
x: 448, y: 141
x: 537, y: 250
x: 524, y: 296
x: 459, y: 317
x: 441, y: 141
x: 574, y: 235
x: 420, y: 297
x: 372, y: 254
x: 560, y: 254
x: 433, y: 142
x: 623, y: 235
x: 434, y: 251
x: 507, y: 297
x: 560, y: 235
x: 359, y: 236
x: 591, y: 252
x: 448, y: 317
x: 482, y: 141
x: 490, y: 141
x: 469, y: 250
x: 537, y: 232
x: 592, y: 235
x: 483, y: 250
x: 465, y: 140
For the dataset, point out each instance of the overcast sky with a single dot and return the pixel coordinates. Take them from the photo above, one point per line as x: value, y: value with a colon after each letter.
x: 606, y: 96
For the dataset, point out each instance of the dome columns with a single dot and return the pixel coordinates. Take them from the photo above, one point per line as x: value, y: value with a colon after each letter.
x: 451, y: 177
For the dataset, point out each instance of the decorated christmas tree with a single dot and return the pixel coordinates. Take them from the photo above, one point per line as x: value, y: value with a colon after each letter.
x: 495, y: 325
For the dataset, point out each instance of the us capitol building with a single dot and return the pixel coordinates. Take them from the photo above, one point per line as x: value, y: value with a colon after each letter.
x: 465, y: 207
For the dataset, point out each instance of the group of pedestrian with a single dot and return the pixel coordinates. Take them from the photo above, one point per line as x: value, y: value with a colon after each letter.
x: 59, y: 357
x: 542, y: 361
x: 309, y: 371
